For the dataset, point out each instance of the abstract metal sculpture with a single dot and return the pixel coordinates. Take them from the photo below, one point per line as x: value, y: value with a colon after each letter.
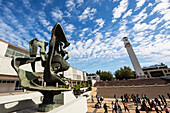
x: 53, y: 62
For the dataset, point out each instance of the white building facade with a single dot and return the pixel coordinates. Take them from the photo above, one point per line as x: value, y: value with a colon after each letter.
x: 9, y: 80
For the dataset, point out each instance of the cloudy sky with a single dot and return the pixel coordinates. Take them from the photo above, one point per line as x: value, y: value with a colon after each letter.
x: 94, y: 28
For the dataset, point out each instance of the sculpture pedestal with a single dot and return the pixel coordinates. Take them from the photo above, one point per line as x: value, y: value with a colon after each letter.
x: 48, y: 104
x: 46, y: 107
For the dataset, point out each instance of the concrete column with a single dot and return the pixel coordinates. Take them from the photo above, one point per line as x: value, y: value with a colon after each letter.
x: 133, y: 58
x: 164, y: 72
x: 149, y: 74
x: 56, y: 84
x: 44, y: 84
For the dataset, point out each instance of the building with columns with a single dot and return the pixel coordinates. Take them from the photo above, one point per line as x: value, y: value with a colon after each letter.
x: 156, y: 71
x: 9, y: 80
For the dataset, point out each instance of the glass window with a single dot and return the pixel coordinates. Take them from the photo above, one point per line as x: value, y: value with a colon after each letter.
x: 3, y: 81
x: 18, y: 54
x: 94, y: 77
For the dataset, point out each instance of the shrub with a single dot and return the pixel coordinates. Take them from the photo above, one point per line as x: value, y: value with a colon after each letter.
x: 89, y: 88
x: 86, y: 95
x: 60, y: 86
x: 84, y: 85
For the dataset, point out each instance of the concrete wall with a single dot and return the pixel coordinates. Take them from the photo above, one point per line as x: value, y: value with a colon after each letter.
x: 18, y: 102
x: 5, y: 66
x: 151, y: 92
x: 68, y: 96
x: 78, y: 105
x: 7, y: 87
x: 75, y: 74
x: 64, y: 97
x: 3, y: 47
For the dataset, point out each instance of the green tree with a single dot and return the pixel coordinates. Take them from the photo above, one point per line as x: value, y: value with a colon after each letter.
x: 124, y: 73
x: 98, y: 72
x: 106, y: 76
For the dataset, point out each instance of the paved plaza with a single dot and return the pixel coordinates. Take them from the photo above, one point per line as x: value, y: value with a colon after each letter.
x: 131, y: 105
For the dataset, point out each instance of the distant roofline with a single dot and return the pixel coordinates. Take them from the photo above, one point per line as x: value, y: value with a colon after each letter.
x: 14, y: 45
x: 79, y: 69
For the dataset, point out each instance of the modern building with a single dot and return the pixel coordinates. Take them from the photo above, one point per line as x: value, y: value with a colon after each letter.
x: 9, y: 80
x: 138, y: 70
x: 156, y: 71
x: 91, y: 77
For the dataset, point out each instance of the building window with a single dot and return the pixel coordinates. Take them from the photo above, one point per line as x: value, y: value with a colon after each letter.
x: 18, y: 86
x: 11, y: 53
x: 6, y: 81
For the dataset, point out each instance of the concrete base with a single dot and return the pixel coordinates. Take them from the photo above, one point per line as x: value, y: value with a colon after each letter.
x: 13, y: 103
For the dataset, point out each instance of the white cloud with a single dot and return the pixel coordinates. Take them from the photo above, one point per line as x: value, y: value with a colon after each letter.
x: 150, y: 5
x: 46, y: 2
x: 95, y: 0
x: 42, y: 17
x: 100, y: 22
x: 57, y: 14
x: 88, y: 13
x: 26, y: 3
x: 70, y: 28
x: 79, y: 2
x: 127, y: 14
x: 141, y: 16
x: 115, y: 0
x: 161, y: 7
x: 50, y: 28
x: 117, y: 12
x: 70, y: 5
x: 107, y: 34
x: 47, y: 35
x: 88, y: 43
x: 140, y: 27
x: 83, y: 32
x: 114, y: 20
x: 154, y: 20
x: 139, y: 4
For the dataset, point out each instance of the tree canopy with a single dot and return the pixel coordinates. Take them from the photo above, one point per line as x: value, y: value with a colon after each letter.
x: 106, y: 76
x: 124, y: 73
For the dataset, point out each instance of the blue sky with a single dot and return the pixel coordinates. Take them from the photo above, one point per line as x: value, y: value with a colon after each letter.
x: 94, y: 28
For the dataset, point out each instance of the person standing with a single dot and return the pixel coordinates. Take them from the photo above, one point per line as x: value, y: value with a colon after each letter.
x: 164, y: 99
x: 121, y: 98
x: 105, y: 108
x: 125, y: 106
x: 137, y: 110
x: 168, y: 95
x: 101, y: 99
x: 161, y: 99
x: 113, y: 107
x: 92, y: 99
x: 158, y: 103
x: 166, y: 109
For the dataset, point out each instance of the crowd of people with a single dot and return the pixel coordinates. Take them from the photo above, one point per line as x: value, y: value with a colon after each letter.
x: 142, y: 103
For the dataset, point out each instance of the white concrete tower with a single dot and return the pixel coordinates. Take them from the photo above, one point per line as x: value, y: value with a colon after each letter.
x: 133, y: 58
